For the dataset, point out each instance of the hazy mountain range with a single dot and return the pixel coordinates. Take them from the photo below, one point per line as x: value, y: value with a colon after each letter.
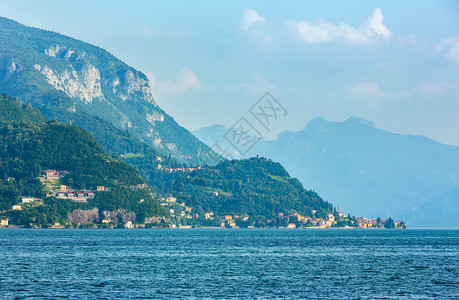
x: 368, y: 171
x: 363, y: 170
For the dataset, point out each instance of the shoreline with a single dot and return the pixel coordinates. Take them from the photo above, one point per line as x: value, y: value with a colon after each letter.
x: 220, y: 228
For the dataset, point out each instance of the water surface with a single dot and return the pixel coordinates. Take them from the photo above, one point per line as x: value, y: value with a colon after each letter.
x: 229, y: 263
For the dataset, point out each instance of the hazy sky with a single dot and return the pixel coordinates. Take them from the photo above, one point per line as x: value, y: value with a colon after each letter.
x: 395, y: 63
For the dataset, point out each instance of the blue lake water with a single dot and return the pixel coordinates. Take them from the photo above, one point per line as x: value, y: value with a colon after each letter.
x: 229, y: 263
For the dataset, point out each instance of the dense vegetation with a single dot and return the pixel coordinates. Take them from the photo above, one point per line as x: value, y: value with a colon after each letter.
x: 14, y: 110
x: 253, y: 187
x: 28, y: 149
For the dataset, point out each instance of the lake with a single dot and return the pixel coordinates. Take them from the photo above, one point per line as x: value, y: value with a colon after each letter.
x: 229, y: 263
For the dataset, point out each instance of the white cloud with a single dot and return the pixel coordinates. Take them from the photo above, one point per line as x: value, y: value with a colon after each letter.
x: 449, y: 48
x: 260, y: 85
x: 375, y: 24
x: 186, y: 80
x: 366, y: 89
x: 430, y: 89
x: 151, y: 77
x: 324, y: 32
x: 250, y: 22
x: 249, y: 18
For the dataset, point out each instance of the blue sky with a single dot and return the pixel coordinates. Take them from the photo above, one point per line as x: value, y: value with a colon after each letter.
x: 395, y: 63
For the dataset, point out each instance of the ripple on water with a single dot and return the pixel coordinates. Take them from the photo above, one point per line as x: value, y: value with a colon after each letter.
x: 207, y: 263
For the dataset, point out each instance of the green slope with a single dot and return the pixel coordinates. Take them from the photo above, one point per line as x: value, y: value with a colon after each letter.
x: 28, y: 149
x: 253, y: 187
x: 14, y: 111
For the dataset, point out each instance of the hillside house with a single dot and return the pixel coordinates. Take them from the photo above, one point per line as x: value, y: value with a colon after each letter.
x: 4, y: 222
x: 51, y: 174
x: 27, y: 199
x: 17, y: 207
x: 171, y: 199
x: 128, y: 225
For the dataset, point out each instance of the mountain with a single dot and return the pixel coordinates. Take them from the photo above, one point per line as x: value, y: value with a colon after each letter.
x: 15, y: 111
x: 215, y: 135
x: 255, y: 187
x: 81, y: 84
x: 361, y: 169
x: 29, y: 148
x: 439, y: 212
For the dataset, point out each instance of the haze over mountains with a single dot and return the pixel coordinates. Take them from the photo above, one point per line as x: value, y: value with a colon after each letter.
x: 368, y: 171
x: 84, y: 85
x: 78, y: 83
x: 364, y: 170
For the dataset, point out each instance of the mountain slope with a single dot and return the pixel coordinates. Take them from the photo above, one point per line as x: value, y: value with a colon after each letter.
x: 78, y: 83
x: 14, y: 111
x: 362, y: 169
x: 366, y: 170
x: 215, y: 134
x: 438, y: 212
x: 256, y: 187
x: 26, y: 149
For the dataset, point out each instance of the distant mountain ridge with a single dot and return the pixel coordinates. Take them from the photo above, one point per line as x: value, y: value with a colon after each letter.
x: 439, y: 212
x: 78, y: 83
x: 365, y: 170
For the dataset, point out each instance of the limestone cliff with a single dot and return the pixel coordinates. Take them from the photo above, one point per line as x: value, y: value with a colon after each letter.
x: 75, y: 82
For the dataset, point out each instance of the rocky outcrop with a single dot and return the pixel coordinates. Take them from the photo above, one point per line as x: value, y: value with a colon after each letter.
x: 154, y: 117
x: 10, y: 68
x: 156, y: 220
x: 96, y: 83
x: 80, y: 216
x: 53, y: 50
x: 84, y: 86
x: 119, y: 216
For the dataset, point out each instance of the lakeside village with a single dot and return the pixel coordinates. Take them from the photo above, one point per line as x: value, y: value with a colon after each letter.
x: 182, y: 216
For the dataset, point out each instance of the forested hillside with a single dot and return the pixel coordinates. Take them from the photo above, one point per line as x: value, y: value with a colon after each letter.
x: 256, y: 187
x: 27, y: 149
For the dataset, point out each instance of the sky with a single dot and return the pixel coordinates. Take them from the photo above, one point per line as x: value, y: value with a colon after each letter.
x: 395, y: 63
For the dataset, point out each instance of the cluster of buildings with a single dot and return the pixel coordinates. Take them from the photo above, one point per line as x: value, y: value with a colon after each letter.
x: 53, y: 174
x: 294, y: 220
x: 173, y: 170
x: 61, y: 192
x: 177, y: 209
x: 64, y: 193
x: 367, y: 223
